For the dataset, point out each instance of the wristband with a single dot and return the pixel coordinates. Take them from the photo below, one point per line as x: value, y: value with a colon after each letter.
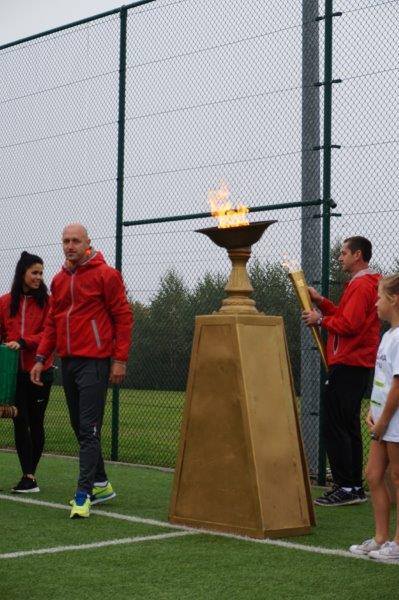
x: 39, y: 359
x: 319, y: 321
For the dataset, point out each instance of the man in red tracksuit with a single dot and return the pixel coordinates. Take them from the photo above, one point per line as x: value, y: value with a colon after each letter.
x: 89, y: 325
x: 353, y: 337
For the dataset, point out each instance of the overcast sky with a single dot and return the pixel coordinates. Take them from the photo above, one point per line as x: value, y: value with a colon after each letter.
x: 213, y: 92
x: 21, y: 18
x: 54, y: 139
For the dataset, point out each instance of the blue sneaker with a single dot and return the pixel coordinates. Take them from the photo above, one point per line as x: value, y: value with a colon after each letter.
x: 80, y: 506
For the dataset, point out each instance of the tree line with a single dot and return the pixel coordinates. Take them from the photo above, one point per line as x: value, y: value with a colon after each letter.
x: 164, y: 328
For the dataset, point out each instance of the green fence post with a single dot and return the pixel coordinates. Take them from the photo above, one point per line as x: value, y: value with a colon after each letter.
x: 119, y: 202
x: 326, y: 214
x: 310, y: 226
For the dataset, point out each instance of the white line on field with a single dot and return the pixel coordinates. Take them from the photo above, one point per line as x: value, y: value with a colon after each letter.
x: 129, y: 540
x: 93, y: 511
x: 156, y: 523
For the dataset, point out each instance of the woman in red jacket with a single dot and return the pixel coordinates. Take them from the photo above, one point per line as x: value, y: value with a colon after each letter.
x: 22, y: 316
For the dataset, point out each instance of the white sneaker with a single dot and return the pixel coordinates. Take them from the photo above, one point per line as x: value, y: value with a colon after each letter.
x: 365, y: 547
x: 388, y: 552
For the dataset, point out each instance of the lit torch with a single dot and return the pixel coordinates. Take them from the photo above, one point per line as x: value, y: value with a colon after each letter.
x: 222, y: 208
x: 297, y: 277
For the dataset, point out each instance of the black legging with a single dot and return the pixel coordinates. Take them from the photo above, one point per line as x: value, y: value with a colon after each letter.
x: 31, y: 401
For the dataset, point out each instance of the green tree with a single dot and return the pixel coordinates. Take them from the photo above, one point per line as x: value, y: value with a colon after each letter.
x: 208, y: 294
x: 164, y: 329
x: 171, y: 323
x: 138, y: 372
x: 338, y: 278
x: 162, y: 338
x: 274, y: 295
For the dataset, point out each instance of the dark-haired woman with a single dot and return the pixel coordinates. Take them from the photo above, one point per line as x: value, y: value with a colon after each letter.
x: 22, y: 315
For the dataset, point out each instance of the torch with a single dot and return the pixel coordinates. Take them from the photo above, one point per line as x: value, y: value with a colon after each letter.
x: 298, y: 280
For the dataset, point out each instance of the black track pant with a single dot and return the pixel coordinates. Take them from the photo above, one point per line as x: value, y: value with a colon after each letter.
x: 85, y: 382
x: 31, y: 401
x: 345, y: 390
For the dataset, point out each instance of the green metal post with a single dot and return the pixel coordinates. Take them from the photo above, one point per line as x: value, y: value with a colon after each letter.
x: 119, y: 202
x: 204, y: 215
x: 326, y: 215
x: 310, y: 224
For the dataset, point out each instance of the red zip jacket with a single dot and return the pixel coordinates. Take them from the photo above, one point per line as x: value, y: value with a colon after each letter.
x: 89, y: 316
x: 353, y: 326
x: 27, y: 324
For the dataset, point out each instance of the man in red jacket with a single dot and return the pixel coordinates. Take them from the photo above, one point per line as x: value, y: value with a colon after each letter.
x: 353, y: 337
x: 89, y: 325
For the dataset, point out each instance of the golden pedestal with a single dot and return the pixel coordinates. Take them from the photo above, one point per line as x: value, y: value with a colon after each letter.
x: 241, y: 466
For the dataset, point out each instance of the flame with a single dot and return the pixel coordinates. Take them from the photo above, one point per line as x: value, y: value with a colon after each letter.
x: 222, y: 208
x: 290, y: 264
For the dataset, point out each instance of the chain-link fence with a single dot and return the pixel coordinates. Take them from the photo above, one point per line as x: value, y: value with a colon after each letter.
x: 214, y: 90
x: 365, y: 167
x: 58, y: 131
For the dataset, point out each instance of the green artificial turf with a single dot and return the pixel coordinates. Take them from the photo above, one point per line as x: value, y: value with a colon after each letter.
x: 199, y: 566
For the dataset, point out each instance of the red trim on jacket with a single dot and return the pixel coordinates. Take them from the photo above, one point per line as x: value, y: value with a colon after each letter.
x: 90, y: 315
x: 353, y: 326
x: 27, y: 324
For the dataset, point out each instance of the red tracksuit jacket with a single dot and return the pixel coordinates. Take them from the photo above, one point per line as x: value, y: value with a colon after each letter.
x: 89, y: 313
x: 27, y: 324
x: 353, y: 326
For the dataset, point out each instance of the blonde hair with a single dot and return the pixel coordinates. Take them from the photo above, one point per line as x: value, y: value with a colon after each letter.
x: 389, y: 286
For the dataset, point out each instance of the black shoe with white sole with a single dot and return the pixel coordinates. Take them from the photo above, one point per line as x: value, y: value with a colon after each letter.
x: 360, y: 494
x: 339, y: 497
x: 26, y: 486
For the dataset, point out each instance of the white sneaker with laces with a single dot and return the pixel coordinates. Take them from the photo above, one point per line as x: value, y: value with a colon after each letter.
x: 388, y: 552
x: 365, y: 547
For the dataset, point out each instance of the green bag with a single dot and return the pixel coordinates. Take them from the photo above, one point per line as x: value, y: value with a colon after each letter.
x: 8, y: 374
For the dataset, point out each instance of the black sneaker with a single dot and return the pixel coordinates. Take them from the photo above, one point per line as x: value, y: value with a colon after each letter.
x: 339, y: 497
x: 330, y: 491
x: 360, y: 494
x: 26, y: 486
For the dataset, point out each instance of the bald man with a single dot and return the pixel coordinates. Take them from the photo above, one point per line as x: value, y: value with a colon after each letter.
x: 89, y: 325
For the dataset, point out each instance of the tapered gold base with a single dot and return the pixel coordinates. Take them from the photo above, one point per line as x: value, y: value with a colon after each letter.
x: 241, y: 467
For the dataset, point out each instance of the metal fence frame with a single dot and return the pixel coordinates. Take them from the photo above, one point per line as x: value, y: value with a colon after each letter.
x: 325, y: 202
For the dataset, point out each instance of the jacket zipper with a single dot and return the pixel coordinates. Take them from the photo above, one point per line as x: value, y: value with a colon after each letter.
x: 96, y: 334
x: 68, y: 315
x: 335, y: 343
x: 23, y: 330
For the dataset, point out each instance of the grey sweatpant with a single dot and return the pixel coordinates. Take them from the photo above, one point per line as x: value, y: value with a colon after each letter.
x: 85, y: 382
